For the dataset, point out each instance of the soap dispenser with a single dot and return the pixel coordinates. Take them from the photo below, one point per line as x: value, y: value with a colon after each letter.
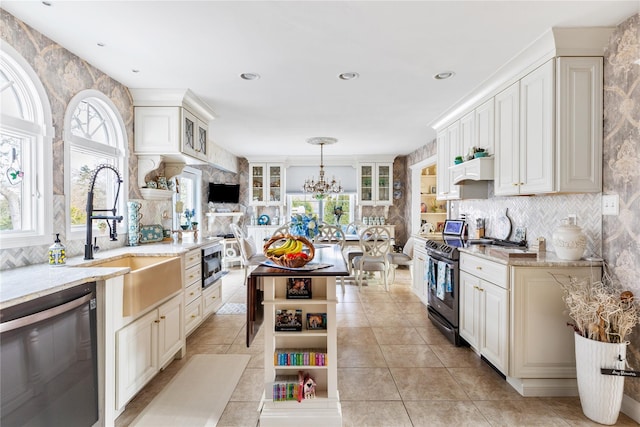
x: 57, y: 252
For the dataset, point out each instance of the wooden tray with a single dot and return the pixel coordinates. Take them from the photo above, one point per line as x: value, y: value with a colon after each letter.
x: 510, y: 253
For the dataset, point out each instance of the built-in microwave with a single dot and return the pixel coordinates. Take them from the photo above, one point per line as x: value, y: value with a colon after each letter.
x: 211, y: 263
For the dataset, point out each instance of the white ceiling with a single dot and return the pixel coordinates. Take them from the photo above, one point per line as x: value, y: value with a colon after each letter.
x: 299, y: 48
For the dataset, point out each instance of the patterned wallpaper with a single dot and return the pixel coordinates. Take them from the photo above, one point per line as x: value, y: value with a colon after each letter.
x: 621, y: 171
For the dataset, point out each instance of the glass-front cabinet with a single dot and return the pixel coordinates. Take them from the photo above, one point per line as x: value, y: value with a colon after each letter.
x: 266, y: 184
x: 374, y: 183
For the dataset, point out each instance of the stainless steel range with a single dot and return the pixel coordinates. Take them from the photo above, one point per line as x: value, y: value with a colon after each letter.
x: 443, y: 276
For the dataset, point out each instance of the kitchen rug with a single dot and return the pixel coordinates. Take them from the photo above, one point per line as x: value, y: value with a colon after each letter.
x: 198, y: 394
x: 233, y: 308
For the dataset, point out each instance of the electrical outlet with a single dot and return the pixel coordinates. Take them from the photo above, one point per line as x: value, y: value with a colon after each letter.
x: 610, y: 204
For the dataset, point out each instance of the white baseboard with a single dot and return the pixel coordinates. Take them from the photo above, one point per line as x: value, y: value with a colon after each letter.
x: 631, y: 408
x: 544, y: 387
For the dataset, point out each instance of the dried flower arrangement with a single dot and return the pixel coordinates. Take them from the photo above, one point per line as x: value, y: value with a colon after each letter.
x: 602, y: 310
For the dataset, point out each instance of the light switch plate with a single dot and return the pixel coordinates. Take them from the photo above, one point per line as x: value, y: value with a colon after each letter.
x: 610, y: 204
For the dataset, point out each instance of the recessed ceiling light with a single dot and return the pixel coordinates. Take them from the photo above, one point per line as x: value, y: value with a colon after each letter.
x: 100, y: 44
x: 46, y: 3
x: 444, y: 75
x: 135, y: 70
x: 348, y: 76
x: 249, y: 76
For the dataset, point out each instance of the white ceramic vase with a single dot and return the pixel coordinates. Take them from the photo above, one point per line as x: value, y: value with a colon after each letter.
x: 569, y: 241
x: 600, y: 395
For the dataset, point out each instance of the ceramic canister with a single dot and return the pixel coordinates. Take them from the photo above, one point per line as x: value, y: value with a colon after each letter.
x: 569, y: 241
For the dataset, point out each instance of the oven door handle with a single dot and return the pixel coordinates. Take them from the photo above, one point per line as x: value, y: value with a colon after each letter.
x: 44, y: 315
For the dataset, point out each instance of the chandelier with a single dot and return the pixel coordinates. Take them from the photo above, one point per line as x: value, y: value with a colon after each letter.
x: 321, y: 188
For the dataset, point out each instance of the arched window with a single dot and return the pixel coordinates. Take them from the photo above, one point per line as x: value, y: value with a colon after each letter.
x: 94, y: 135
x: 26, y: 194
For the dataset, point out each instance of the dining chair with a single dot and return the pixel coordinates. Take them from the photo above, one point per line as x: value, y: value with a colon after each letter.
x: 333, y: 235
x: 402, y: 258
x: 283, y: 229
x: 248, y: 251
x: 375, y: 242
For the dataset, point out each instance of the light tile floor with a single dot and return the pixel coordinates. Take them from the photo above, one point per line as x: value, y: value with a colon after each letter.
x: 394, y: 369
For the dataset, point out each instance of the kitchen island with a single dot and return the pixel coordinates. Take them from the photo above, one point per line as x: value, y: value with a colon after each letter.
x: 310, y: 333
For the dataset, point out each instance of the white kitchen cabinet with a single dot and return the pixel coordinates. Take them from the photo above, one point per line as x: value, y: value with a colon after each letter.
x: 172, y: 124
x: 467, y: 134
x: 212, y: 298
x: 484, y: 123
x: 448, y: 146
x: 443, y: 178
x: 420, y: 284
x: 266, y: 184
x: 145, y: 345
x: 548, y: 129
x: 484, y: 308
x: 507, y: 137
x: 374, y: 184
x: 172, y: 132
x: 542, y: 345
x: 193, y: 315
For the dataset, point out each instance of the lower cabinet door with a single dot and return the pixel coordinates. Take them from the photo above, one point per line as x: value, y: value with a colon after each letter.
x: 495, y: 325
x: 170, y: 332
x: 212, y: 299
x: 137, y: 356
x: 192, y: 315
x: 469, y: 321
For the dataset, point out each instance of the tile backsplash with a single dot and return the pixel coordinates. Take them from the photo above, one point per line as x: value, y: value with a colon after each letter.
x: 541, y: 215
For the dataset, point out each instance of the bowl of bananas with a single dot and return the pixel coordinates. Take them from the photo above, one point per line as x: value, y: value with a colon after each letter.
x: 289, y: 251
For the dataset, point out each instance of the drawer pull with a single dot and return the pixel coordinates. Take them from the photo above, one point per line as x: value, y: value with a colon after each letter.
x: 478, y: 267
x: 193, y: 316
x: 192, y: 293
x: 213, y: 297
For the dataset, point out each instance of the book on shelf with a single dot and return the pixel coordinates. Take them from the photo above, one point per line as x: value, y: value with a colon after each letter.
x: 288, y: 387
x: 294, y: 387
x: 316, y: 321
x: 299, y: 288
x: 288, y: 320
x: 300, y: 357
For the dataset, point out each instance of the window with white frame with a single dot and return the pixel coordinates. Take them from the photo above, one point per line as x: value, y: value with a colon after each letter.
x: 337, y: 209
x: 94, y: 135
x: 26, y: 193
x: 188, y: 197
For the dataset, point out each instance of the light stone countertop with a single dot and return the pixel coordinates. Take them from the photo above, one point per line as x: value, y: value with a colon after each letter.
x: 543, y: 259
x: 23, y: 284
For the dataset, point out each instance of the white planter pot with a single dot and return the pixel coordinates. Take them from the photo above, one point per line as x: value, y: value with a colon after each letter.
x: 600, y: 395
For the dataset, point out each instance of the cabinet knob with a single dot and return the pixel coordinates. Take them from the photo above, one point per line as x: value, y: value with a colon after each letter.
x: 478, y: 267
x: 515, y: 184
x: 156, y: 321
x: 193, y: 316
x: 213, y: 297
x: 162, y: 317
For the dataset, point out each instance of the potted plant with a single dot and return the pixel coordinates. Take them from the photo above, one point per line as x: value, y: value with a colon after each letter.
x: 603, y: 316
x: 479, y: 152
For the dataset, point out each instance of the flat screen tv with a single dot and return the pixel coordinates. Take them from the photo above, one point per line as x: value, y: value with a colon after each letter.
x: 224, y: 193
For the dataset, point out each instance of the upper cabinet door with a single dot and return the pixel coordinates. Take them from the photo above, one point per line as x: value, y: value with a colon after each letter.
x: 257, y: 180
x: 484, y: 126
x: 385, y: 177
x: 266, y: 184
x: 455, y: 150
x: 579, y: 124
x: 442, y: 172
x: 537, y: 100
x: 374, y: 183
x: 507, y: 141
x: 468, y: 135
x: 189, y: 124
x: 275, y: 184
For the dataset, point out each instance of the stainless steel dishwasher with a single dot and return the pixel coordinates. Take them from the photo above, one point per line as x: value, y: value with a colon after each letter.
x: 48, y: 360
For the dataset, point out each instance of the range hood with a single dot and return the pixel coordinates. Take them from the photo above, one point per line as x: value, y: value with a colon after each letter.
x: 479, y: 169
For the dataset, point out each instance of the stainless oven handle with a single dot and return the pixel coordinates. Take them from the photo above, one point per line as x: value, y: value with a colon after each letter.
x: 44, y: 315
